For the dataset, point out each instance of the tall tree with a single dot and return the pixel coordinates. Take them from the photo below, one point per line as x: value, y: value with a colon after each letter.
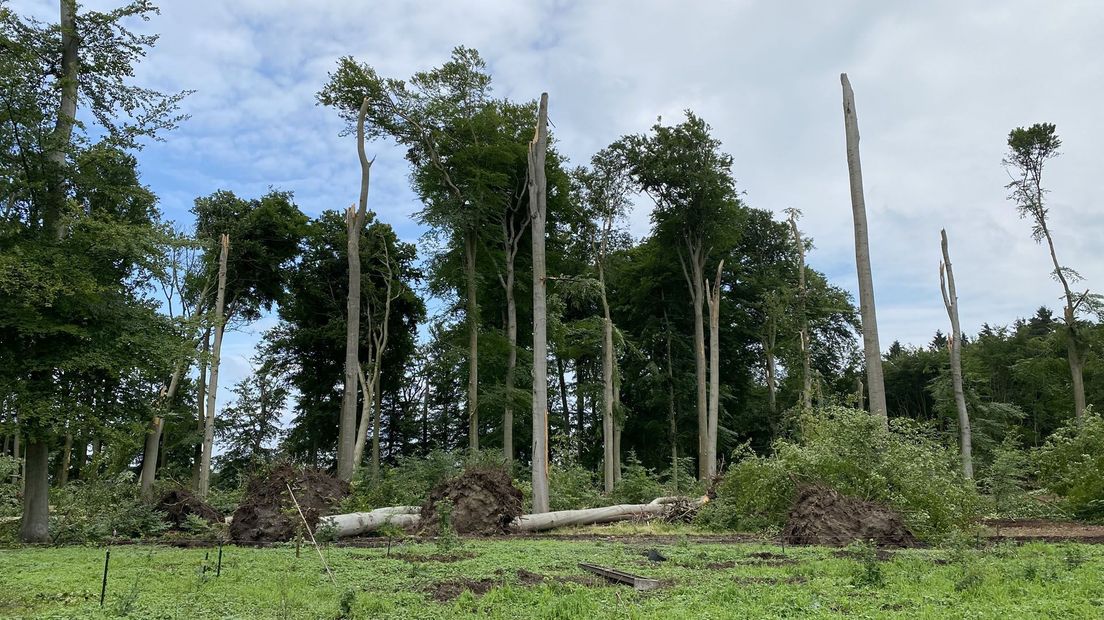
x: 347, y: 456
x: 438, y: 116
x: 954, y: 347
x: 538, y: 207
x: 1028, y: 150
x: 59, y: 234
x: 875, y: 383
x: 685, y: 173
x: 802, y: 315
x: 208, y: 445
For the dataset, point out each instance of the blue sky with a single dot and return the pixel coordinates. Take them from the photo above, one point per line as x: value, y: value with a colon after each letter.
x: 938, y: 86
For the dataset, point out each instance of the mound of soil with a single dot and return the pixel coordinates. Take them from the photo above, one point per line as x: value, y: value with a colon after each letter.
x: 267, y: 513
x: 484, y: 501
x: 822, y: 516
x: 179, y: 503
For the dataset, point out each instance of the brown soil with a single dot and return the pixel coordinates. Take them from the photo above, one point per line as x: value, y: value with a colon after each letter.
x: 267, y: 513
x: 1043, y: 530
x: 484, y: 501
x: 822, y: 516
x: 179, y: 503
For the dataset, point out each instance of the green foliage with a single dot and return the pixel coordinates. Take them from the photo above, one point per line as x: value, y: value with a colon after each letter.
x: 638, y: 484
x: 852, y: 452
x: 1005, y: 478
x: 1071, y: 464
x: 573, y: 486
x: 409, y: 482
x: 9, y: 485
x: 868, y: 570
x: 447, y: 538
x: 91, y: 511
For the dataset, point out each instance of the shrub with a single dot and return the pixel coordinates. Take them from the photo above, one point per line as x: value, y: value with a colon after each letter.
x: 90, y: 511
x: 852, y: 452
x: 572, y: 486
x: 1071, y: 464
x: 9, y: 486
x: 638, y: 484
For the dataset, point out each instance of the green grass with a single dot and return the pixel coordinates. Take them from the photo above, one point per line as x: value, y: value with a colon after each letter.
x: 702, y: 580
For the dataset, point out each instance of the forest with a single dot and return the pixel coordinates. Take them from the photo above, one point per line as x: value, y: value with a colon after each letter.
x: 528, y: 331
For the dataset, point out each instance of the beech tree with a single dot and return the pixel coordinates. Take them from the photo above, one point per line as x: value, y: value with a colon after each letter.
x: 538, y: 207
x: 875, y: 383
x: 67, y: 248
x: 1028, y: 151
x: 954, y: 347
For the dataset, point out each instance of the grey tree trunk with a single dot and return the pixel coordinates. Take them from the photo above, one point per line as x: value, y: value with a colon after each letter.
x: 672, y: 427
x: 563, y: 397
x: 65, y: 460
x: 538, y: 204
x: 212, y: 389
x: 472, y: 317
x: 609, y: 451
x: 201, y: 405
x: 153, y: 436
x: 347, y: 428
x: 511, y: 237
x: 714, y: 302
x: 1073, y: 352
x: 872, y: 350
x: 772, y: 382
x: 366, y: 392
x: 954, y: 346
x: 802, y: 296
x: 695, y: 276
x: 34, y: 527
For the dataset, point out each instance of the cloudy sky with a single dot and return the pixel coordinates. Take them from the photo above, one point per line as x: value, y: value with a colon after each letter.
x: 938, y: 87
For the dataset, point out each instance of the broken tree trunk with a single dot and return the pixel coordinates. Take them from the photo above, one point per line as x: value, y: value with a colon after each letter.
x: 713, y: 298
x: 356, y: 523
x: 954, y: 346
x: 212, y: 389
x: 538, y: 206
x: 871, y: 348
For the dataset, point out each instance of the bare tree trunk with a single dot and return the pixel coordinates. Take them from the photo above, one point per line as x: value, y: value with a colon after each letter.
x: 1073, y: 353
x: 871, y: 348
x: 376, y: 421
x: 671, y: 423
x: 511, y: 361
x: 366, y: 389
x: 580, y: 409
x: 802, y: 295
x: 347, y: 428
x: 473, y: 340
x: 954, y: 345
x: 65, y: 460
x: 609, y: 450
x: 695, y: 277
x: 563, y: 397
x: 538, y: 204
x: 772, y: 382
x: 212, y: 389
x: 201, y: 405
x: 153, y: 436
x: 714, y: 302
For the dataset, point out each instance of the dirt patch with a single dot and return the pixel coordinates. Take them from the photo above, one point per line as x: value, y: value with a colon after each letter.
x: 267, y: 513
x: 445, y: 558
x: 529, y: 578
x: 484, y: 501
x: 1043, y: 530
x: 445, y: 591
x: 179, y: 503
x: 772, y: 581
x: 822, y: 516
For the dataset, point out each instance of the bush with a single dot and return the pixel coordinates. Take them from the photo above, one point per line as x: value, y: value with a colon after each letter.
x: 90, y: 511
x: 571, y: 487
x: 638, y: 484
x: 1071, y: 464
x: 408, y: 483
x: 9, y: 486
x: 850, y: 451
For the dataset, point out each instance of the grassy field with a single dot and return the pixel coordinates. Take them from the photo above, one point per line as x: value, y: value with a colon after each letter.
x: 540, y: 578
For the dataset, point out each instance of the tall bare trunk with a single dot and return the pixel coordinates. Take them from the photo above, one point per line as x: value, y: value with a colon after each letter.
x: 347, y: 427
x: 538, y: 204
x: 694, y: 273
x: 366, y: 391
x: 871, y: 348
x: 714, y: 302
x: 954, y: 346
x: 473, y: 339
x: 803, y: 333
x: 609, y: 450
x: 65, y: 460
x: 563, y: 397
x: 212, y: 389
x: 62, y: 136
x: 772, y: 382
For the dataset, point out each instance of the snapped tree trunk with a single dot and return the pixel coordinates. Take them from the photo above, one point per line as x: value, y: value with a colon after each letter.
x: 954, y: 346
x: 347, y: 428
x: 201, y: 406
x: 714, y: 302
x: 538, y: 204
x: 871, y: 349
x: 212, y: 389
x: 695, y: 276
x: 153, y: 435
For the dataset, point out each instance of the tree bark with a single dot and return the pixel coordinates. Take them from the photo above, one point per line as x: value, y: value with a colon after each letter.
x: 201, y: 405
x: 366, y: 391
x: 872, y: 350
x: 153, y: 436
x: 563, y: 397
x: 714, y: 302
x: 347, y: 438
x: 212, y: 389
x: 671, y: 423
x: 694, y: 273
x: 803, y: 334
x: 954, y: 346
x: 511, y: 241
x: 473, y: 340
x: 538, y: 204
x: 34, y: 527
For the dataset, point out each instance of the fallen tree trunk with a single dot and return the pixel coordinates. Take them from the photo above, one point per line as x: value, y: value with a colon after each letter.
x: 357, y: 523
x: 407, y: 517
